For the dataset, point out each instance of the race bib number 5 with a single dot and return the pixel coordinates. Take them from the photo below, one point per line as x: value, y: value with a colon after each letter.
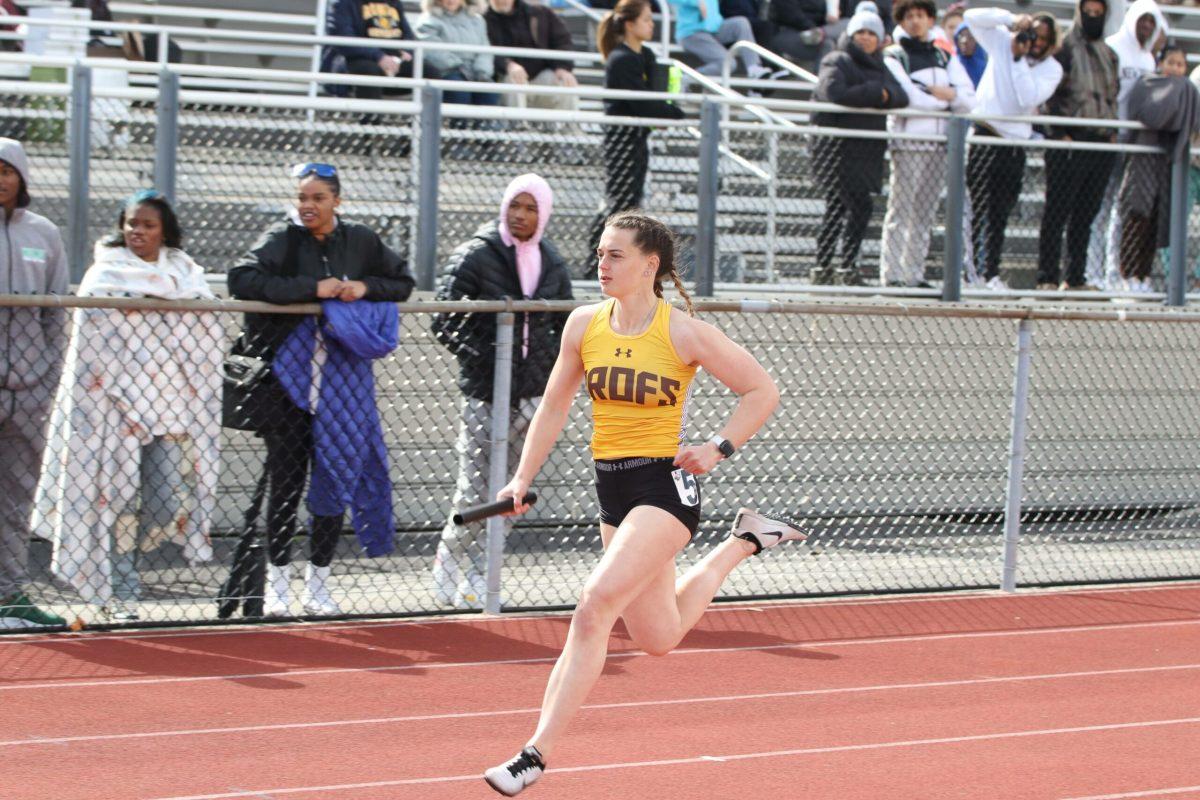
x: 686, y: 487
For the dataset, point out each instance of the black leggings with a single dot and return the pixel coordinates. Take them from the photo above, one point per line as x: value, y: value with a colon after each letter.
x: 626, y: 161
x: 289, y: 453
x: 994, y: 177
x: 1075, y: 185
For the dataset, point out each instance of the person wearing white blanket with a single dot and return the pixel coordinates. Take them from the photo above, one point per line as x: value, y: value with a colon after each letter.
x: 133, y: 447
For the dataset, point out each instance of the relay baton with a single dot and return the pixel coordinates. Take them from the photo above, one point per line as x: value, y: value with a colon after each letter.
x: 476, y: 513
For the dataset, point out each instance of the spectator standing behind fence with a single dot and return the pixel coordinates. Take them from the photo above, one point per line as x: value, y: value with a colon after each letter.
x: 1142, y: 32
x: 369, y: 19
x: 969, y: 53
x: 1020, y: 76
x: 517, y: 23
x: 1076, y: 178
x: 1168, y: 104
x: 703, y: 32
x: 32, y: 261
x: 933, y: 80
x: 458, y: 22
x: 851, y: 169
x: 140, y: 405
x: 509, y: 257
x: 628, y: 66
x: 312, y: 256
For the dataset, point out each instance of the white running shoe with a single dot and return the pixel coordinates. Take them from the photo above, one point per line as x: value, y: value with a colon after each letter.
x: 522, y: 770
x: 997, y: 284
x: 763, y: 532
x: 278, y: 599
x: 317, y: 600
x: 445, y: 576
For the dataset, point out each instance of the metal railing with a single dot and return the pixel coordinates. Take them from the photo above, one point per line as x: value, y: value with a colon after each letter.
x: 769, y: 224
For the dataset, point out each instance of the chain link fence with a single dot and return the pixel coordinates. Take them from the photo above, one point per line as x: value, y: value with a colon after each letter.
x: 892, y: 446
x: 794, y: 203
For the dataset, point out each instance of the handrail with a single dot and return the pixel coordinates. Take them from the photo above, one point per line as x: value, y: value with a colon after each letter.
x: 766, y: 55
x: 219, y: 14
x: 729, y: 94
x: 893, y: 307
x: 311, y: 39
x: 591, y: 13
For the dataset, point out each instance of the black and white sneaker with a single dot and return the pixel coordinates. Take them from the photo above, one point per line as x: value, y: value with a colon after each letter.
x: 523, y: 770
x: 763, y: 532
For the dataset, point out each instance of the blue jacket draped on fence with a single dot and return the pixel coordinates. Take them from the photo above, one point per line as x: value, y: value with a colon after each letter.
x: 325, y: 368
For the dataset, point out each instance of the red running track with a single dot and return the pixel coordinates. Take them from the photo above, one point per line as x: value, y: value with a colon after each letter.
x: 1057, y: 695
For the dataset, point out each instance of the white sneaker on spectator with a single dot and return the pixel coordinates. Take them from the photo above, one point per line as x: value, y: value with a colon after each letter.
x: 277, y: 599
x: 472, y: 592
x: 445, y: 576
x: 997, y: 284
x: 317, y: 599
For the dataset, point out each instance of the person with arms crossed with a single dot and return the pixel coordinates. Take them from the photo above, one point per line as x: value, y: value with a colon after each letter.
x: 637, y: 356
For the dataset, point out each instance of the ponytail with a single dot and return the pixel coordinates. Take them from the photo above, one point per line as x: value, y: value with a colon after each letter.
x: 653, y: 237
x: 611, y: 30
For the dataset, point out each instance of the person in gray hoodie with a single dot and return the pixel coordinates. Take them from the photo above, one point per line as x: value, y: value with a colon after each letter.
x: 32, y: 341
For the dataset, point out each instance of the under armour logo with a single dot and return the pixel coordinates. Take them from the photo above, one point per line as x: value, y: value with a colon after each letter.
x: 628, y: 353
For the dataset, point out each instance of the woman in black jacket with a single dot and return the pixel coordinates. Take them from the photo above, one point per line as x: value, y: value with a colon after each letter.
x: 508, y: 257
x: 851, y: 170
x: 628, y: 66
x: 312, y: 256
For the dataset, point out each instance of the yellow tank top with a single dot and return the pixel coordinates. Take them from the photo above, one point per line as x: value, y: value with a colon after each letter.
x: 639, y: 387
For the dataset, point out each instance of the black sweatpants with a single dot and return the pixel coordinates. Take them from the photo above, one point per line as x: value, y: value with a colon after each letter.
x: 994, y: 177
x: 1075, y: 184
x: 848, y: 204
x: 289, y: 454
x: 626, y: 162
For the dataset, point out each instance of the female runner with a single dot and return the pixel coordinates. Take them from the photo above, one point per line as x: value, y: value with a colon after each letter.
x: 637, y: 356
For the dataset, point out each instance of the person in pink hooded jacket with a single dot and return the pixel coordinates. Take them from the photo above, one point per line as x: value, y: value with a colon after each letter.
x: 508, y: 257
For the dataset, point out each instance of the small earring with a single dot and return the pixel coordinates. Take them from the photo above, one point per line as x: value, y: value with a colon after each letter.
x: 646, y: 274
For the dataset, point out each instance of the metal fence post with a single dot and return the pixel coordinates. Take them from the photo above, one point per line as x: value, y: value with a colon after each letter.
x: 498, y: 459
x: 79, y: 144
x: 166, y: 134
x: 1016, y: 456
x: 956, y: 190
x: 706, y: 191
x: 429, y: 165
x: 1177, y: 271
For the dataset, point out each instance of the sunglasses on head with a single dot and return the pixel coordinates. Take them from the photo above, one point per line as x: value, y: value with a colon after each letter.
x: 314, y: 168
x: 144, y: 195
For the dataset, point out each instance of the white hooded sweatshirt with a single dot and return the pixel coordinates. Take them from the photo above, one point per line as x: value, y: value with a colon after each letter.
x: 1135, y: 60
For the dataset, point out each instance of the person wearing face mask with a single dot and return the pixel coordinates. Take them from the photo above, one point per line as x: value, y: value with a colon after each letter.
x: 851, y: 169
x: 312, y: 256
x: 508, y: 257
x: 1076, y: 178
x: 139, y: 403
x: 32, y: 261
x: 1020, y: 76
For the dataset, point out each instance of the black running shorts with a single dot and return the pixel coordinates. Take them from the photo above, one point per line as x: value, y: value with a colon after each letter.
x: 622, y: 484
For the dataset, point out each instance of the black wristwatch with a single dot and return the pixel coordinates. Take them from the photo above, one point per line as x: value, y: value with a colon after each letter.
x: 724, y: 446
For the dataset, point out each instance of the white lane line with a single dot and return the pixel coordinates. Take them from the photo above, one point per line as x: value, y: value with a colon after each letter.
x: 1144, y: 793
x: 476, y: 619
x: 731, y: 698
x: 830, y: 643
x: 708, y: 759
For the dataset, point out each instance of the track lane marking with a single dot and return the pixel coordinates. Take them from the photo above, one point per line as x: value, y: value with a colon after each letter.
x: 1144, y: 793
x: 603, y: 706
x: 830, y: 643
x: 709, y: 759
